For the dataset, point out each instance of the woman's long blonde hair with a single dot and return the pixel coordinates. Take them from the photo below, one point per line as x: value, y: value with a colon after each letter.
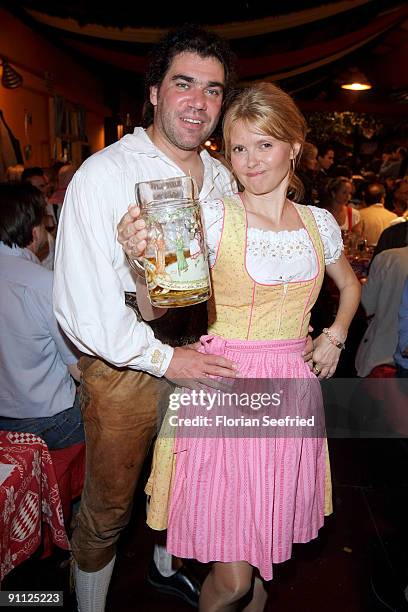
x: 269, y: 110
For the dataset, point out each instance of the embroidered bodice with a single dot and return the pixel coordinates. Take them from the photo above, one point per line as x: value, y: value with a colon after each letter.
x: 275, y: 257
x: 244, y: 305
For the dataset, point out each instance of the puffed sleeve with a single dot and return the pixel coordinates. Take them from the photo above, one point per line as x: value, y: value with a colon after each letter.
x: 330, y: 234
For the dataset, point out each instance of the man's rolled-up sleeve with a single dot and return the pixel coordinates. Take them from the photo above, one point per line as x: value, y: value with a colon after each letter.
x: 88, y: 292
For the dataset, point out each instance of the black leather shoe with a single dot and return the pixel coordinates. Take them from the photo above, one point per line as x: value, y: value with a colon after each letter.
x: 181, y: 584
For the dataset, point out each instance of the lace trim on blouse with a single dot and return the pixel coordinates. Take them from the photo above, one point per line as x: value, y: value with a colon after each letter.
x: 278, y: 256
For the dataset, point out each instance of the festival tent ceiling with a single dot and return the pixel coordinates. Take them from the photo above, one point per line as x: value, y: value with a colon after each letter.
x: 304, y: 45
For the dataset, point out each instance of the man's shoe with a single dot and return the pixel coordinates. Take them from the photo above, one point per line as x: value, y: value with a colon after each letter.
x: 181, y: 584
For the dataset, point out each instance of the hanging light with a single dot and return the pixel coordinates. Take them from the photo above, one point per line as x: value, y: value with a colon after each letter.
x: 354, y: 80
x: 10, y: 79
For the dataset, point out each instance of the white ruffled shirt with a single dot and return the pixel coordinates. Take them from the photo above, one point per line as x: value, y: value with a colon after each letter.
x: 278, y: 257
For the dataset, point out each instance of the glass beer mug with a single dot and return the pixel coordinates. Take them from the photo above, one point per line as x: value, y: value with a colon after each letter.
x: 175, y: 260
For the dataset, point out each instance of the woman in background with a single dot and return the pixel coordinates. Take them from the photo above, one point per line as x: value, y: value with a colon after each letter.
x: 307, y: 171
x: 337, y: 201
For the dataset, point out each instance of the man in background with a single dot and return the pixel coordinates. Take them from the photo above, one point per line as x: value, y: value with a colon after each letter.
x: 37, y: 391
x: 381, y: 297
x: 38, y: 178
x: 375, y: 218
x: 325, y: 160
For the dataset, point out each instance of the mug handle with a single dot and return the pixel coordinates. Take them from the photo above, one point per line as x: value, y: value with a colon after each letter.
x: 136, y: 266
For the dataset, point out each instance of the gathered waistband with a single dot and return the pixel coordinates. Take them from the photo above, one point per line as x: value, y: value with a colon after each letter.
x: 275, y: 346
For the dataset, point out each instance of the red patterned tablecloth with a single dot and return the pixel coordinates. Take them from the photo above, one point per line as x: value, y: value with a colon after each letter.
x: 29, y: 496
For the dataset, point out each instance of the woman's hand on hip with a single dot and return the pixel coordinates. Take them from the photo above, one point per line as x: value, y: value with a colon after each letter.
x: 325, y: 357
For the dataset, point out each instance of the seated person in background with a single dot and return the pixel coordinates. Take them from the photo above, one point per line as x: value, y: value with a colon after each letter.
x: 374, y: 218
x: 402, y: 153
x: 401, y: 354
x: 381, y: 297
x: 389, y: 184
x: 391, y: 163
x: 394, y: 237
x: 336, y: 200
x: 325, y: 160
x: 52, y: 176
x: 56, y: 200
x: 307, y: 170
x: 359, y: 187
x: 37, y: 392
x: 37, y: 177
x: 400, y: 200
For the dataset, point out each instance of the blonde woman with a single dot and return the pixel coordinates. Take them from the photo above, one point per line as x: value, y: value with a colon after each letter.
x: 243, y: 502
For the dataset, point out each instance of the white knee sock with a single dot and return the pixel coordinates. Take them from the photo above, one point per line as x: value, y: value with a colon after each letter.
x: 92, y: 587
x: 163, y: 561
x: 161, y: 558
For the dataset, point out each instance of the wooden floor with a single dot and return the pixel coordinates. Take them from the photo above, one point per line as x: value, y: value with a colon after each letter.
x: 361, y: 551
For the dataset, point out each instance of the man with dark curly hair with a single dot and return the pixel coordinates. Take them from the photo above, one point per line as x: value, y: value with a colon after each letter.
x: 186, y: 84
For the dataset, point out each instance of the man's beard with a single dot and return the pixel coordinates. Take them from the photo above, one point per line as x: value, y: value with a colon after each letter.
x: 179, y: 138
